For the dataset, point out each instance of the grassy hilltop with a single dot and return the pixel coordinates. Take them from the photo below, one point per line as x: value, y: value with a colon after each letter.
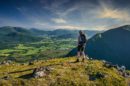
x: 64, y: 72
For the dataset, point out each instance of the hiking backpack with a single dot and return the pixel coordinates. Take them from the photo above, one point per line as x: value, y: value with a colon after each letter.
x: 83, y: 39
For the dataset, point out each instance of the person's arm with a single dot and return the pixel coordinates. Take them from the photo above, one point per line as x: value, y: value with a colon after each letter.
x: 78, y: 41
x: 86, y: 38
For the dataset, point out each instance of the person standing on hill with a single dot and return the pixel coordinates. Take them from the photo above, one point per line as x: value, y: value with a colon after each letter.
x: 81, y: 46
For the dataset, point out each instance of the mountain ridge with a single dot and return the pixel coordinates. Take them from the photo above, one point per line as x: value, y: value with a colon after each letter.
x: 111, y: 45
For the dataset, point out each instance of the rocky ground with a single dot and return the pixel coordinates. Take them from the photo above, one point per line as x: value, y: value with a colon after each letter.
x: 63, y: 72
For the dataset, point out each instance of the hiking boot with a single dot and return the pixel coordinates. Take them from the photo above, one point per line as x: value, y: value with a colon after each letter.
x: 83, y: 59
x: 77, y: 60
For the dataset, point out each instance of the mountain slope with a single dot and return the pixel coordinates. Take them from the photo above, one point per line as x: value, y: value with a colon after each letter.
x: 63, y: 72
x: 112, y: 45
x: 16, y: 34
x: 11, y: 36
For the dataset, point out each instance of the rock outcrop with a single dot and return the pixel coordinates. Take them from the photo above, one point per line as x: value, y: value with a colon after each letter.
x: 41, y: 72
x: 121, y: 69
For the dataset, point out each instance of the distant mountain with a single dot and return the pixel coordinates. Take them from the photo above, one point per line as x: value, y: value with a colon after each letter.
x: 19, y: 34
x: 16, y: 34
x: 112, y: 45
x: 10, y: 36
x: 62, y: 33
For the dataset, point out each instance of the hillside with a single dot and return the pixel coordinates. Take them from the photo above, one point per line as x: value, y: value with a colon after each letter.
x: 112, y: 45
x: 61, y: 72
x: 16, y: 34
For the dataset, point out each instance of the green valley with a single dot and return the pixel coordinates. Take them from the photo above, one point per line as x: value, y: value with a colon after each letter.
x: 50, y: 48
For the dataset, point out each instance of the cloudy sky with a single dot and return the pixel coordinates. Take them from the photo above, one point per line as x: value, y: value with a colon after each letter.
x: 65, y: 14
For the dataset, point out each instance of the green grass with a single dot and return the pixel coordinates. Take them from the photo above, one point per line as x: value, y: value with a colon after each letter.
x: 64, y: 73
x: 38, y: 50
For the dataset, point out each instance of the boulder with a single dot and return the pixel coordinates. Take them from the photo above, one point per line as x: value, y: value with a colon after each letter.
x: 122, y: 70
x: 8, y: 62
x: 108, y: 64
x: 41, y: 72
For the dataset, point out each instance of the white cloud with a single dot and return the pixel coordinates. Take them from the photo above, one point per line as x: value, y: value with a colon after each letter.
x: 71, y: 27
x: 107, y: 11
x: 104, y: 16
x: 57, y: 8
x: 66, y: 12
x: 42, y: 25
x: 59, y: 20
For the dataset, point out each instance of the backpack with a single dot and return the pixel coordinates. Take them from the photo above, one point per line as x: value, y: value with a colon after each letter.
x: 83, y: 39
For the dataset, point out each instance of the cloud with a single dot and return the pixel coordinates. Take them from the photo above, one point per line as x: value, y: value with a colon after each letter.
x: 49, y: 26
x: 58, y: 7
x: 67, y: 11
x: 109, y: 12
x: 41, y: 24
x: 29, y: 15
x: 56, y: 26
x: 70, y: 14
x: 77, y: 16
x: 105, y: 16
x: 71, y: 27
x: 59, y: 20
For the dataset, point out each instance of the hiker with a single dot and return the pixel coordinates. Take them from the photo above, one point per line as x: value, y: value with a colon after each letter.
x: 81, y: 46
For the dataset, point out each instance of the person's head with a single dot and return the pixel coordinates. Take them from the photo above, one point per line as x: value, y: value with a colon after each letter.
x: 81, y: 32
